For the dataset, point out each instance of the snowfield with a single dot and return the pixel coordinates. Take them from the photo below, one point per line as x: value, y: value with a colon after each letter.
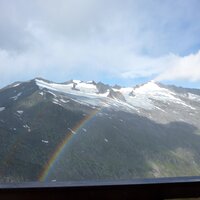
x: 143, y: 96
x: 2, y: 108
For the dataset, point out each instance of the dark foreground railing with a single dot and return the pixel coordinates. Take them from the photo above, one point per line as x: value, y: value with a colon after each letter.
x: 159, y: 188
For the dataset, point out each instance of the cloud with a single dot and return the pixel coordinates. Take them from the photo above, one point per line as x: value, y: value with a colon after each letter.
x: 91, y: 39
x: 182, y: 68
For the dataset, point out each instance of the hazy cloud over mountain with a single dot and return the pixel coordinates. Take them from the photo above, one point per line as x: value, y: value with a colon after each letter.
x: 122, y: 39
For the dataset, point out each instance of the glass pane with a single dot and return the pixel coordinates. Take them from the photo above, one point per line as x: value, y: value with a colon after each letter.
x: 99, y: 90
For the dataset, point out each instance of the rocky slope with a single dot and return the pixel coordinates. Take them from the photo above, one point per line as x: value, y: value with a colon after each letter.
x: 151, y: 130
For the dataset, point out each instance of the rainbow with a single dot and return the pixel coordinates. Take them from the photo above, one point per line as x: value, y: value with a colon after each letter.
x: 61, y: 146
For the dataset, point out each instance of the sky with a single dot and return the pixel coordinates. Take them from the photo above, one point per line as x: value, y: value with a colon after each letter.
x: 126, y: 42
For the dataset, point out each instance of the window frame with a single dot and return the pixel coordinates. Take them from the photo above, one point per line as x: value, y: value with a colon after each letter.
x: 154, y: 188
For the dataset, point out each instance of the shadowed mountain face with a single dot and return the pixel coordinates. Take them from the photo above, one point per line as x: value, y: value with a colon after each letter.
x: 112, y: 132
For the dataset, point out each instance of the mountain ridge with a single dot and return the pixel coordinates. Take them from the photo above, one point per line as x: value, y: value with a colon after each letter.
x: 115, y: 132
x: 115, y: 86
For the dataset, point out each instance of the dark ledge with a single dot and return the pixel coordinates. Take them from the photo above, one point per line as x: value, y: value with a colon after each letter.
x: 158, y: 188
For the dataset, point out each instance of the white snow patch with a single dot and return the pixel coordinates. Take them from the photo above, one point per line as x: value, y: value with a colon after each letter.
x: 87, y: 88
x: 2, y: 108
x: 55, y: 101
x: 106, y: 140
x: 20, y: 112
x: 52, y: 93
x: 27, y: 127
x: 41, y: 93
x: 89, y: 82
x: 84, y: 89
x: 77, y: 81
x: 72, y: 131
x: 104, y: 94
x: 64, y: 101
x: 193, y: 97
x: 16, y: 97
x: 151, y: 90
x: 148, y: 88
x: 160, y: 109
x: 186, y: 105
x: 16, y: 84
x: 45, y: 141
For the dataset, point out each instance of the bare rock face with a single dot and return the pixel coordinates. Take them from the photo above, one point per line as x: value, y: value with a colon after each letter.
x: 102, y: 88
x: 74, y: 87
x: 116, y: 95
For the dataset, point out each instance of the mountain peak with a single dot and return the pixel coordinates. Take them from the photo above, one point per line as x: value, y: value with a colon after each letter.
x: 41, y: 79
x: 91, y: 82
x: 76, y: 81
x: 148, y: 87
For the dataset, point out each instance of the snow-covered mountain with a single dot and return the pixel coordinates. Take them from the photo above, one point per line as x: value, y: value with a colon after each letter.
x: 138, y: 97
x: 150, y: 99
x: 153, y: 128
